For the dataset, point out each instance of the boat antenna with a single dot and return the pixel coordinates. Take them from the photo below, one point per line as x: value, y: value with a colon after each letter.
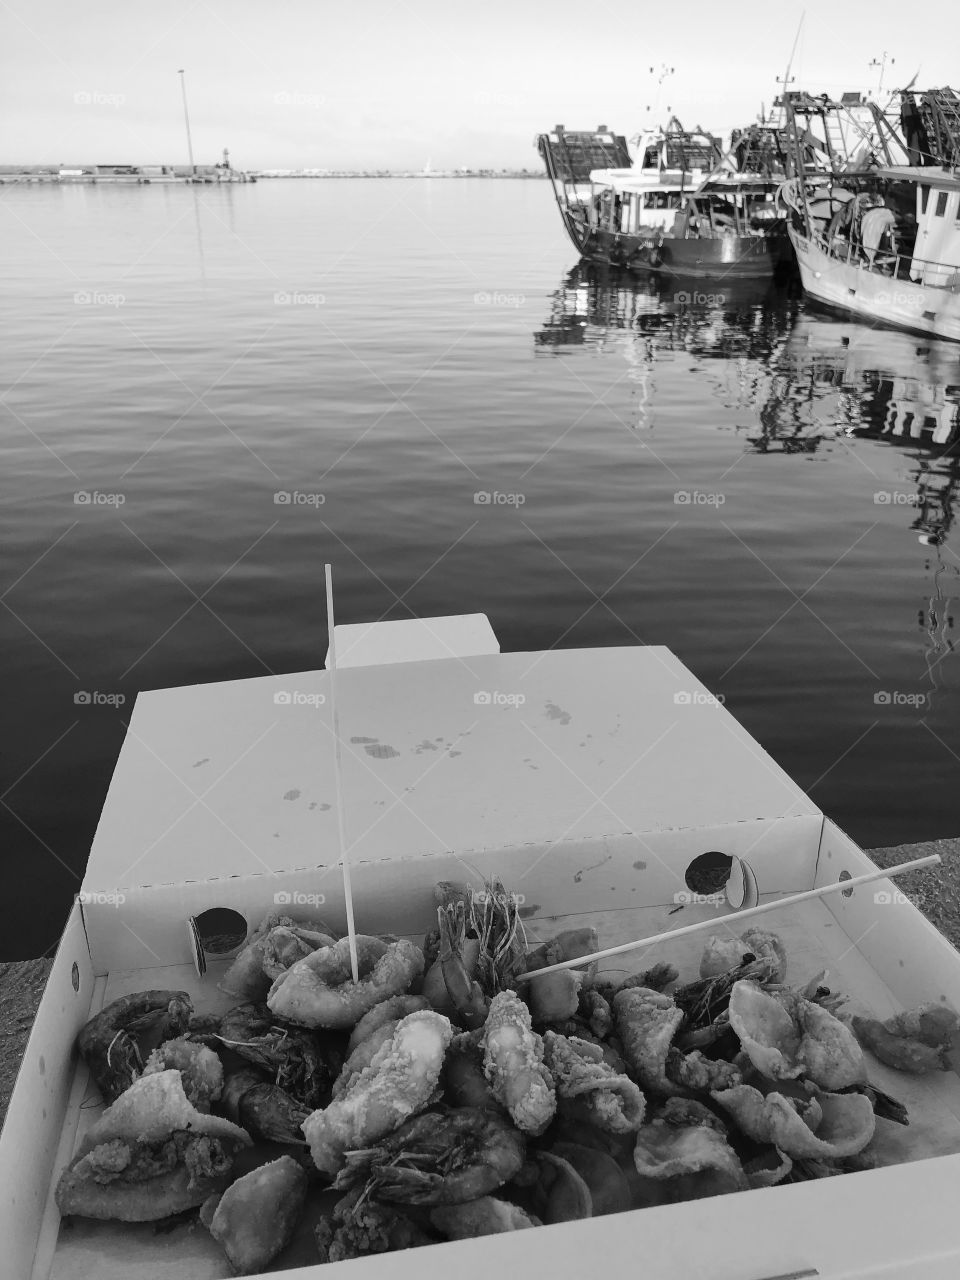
x: 882, y: 64
x: 787, y: 77
x: 665, y: 71
x: 186, y: 117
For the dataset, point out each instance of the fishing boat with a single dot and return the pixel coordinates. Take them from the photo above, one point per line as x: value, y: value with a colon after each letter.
x: 877, y: 231
x: 686, y: 208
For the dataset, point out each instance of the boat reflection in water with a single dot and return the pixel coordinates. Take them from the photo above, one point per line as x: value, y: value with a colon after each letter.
x: 885, y: 386
x: 801, y: 383
x: 805, y: 378
x: 894, y: 389
x: 742, y: 322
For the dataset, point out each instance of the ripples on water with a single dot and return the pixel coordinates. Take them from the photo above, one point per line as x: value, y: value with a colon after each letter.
x: 454, y: 351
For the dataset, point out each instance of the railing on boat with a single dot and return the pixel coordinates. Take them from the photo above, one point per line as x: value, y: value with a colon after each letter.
x: 893, y: 266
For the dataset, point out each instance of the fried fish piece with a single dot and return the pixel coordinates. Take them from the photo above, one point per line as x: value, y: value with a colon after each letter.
x: 513, y: 1063
x: 398, y: 1082
x: 255, y: 1218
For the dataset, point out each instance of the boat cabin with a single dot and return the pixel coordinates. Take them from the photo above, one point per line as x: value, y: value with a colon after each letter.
x: 936, y: 253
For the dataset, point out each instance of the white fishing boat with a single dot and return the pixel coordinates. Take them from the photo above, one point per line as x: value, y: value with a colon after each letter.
x: 592, y: 783
x: 878, y: 236
x: 685, y: 206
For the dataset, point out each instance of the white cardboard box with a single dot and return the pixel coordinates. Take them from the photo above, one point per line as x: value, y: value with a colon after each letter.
x: 591, y: 796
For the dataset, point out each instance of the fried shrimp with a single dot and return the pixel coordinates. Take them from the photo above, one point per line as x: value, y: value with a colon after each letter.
x: 513, y: 1063
x: 401, y: 1079
x: 319, y: 991
x: 439, y: 1158
x: 109, y: 1043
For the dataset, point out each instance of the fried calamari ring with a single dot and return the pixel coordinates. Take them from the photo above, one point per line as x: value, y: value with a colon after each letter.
x: 319, y: 991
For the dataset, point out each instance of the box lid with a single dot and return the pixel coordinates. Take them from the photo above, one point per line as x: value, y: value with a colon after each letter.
x: 237, y: 777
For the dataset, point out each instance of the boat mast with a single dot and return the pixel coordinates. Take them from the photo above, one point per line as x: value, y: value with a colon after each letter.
x: 788, y: 78
x: 882, y: 64
x: 186, y: 117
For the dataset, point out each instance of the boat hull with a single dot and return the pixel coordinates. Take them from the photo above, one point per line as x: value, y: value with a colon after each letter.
x: 882, y: 299
x: 737, y: 257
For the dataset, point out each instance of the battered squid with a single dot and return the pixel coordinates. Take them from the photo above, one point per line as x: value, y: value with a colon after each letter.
x: 513, y: 1063
x: 319, y: 991
x: 647, y: 1021
x: 587, y: 1086
x: 400, y: 1080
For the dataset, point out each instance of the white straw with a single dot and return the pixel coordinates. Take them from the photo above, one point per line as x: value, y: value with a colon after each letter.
x: 338, y: 771
x: 775, y: 905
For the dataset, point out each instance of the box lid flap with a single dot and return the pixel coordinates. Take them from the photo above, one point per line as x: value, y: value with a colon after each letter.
x: 237, y: 777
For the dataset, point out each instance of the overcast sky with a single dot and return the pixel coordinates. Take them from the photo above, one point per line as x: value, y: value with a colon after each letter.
x: 384, y: 84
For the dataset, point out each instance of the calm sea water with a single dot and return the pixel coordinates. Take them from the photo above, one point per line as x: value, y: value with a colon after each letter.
x: 766, y: 490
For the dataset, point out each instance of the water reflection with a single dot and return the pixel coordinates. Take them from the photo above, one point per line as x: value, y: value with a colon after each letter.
x: 801, y: 379
x: 882, y: 386
x: 802, y: 383
x: 642, y: 317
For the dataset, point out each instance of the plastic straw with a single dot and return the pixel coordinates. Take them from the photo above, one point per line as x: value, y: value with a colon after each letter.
x: 338, y: 771
x: 736, y: 917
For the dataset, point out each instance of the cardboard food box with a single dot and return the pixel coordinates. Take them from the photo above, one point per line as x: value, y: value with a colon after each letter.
x: 588, y: 781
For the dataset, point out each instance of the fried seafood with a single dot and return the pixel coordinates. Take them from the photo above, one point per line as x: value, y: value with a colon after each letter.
x: 391, y: 1010
x: 705, y: 1002
x: 513, y: 1064
x: 109, y: 1042
x: 468, y: 1000
x: 495, y: 919
x: 916, y: 1041
x: 151, y: 1154
x: 557, y: 996
x: 700, y: 1074
x: 255, y: 1218
x: 787, y: 1036
x: 303, y: 1066
x: 767, y: 1169
x: 200, y: 1069
x: 286, y: 944
x: 581, y: 1076
x: 723, y: 953
x: 434, y: 988
x: 438, y: 1157
x: 668, y: 1150
x: 933, y: 1024
x: 605, y: 1180
x: 559, y: 1193
x: 363, y: 1055
x: 485, y: 1216
x: 361, y: 1227
x: 247, y: 977
x: 594, y: 1007
x: 264, y: 1109
x: 646, y: 1022
x: 319, y: 991
x: 828, y: 1125
x: 400, y: 1080
x: 657, y: 978
x: 464, y: 1082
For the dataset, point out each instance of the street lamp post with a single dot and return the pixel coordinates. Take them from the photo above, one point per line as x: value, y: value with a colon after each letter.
x: 186, y: 117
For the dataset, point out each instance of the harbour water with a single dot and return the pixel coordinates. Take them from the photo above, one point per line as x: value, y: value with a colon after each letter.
x: 209, y: 392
